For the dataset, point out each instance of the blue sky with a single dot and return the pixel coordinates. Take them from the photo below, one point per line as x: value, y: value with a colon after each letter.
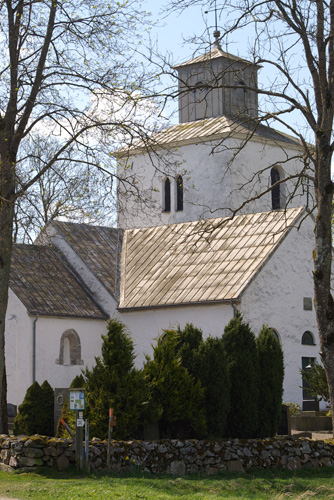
x: 173, y: 29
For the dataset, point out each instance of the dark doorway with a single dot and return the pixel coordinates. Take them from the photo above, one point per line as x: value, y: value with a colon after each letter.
x: 309, y: 402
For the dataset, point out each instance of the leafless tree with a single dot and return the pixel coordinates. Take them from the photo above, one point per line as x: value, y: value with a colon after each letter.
x: 69, y: 189
x: 70, y: 71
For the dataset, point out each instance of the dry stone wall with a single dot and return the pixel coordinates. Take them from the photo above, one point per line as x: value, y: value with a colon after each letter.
x: 172, y: 456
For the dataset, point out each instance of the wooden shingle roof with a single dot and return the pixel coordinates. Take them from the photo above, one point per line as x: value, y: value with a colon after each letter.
x: 98, y: 247
x: 215, y: 53
x: 209, y: 129
x: 47, y: 286
x: 199, y: 262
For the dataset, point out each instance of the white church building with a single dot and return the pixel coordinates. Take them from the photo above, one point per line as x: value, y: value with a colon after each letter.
x: 224, y: 226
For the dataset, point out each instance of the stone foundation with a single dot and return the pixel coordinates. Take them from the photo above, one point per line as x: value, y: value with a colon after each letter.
x: 172, y: 456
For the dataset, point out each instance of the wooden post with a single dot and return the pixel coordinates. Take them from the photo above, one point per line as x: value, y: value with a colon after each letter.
x: 109, y: 439
x: 112, y: 423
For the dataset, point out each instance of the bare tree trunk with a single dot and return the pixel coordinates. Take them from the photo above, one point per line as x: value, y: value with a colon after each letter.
x: 7, y: 192
x: 323, y: 263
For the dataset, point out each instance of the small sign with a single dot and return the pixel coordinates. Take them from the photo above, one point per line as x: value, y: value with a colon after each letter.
x: 77, y: 399
x: 80, y: 422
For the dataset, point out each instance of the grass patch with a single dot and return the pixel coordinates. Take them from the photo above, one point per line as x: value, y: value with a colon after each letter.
x: 258, y: 485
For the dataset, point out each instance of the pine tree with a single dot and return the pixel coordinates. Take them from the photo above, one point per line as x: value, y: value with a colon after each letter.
x: 242, y: 361
x: 271, y: 365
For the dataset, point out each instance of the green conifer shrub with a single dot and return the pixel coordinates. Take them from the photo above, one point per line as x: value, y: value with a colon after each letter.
x: 212, y: 371
x: 243, y: 367
x: 177, y: 397
x: 115, y: 383
x: 35, y: 413
x: 271, y: 366
x: 187, y: 344
x: 46, y: 420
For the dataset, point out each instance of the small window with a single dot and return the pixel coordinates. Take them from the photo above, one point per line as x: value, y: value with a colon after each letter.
x: 307, y: 303
x: 179, y: 193
x: 70, y: 349
x: 166, y: 192
x: 276, y: 190
x: 307, y: 338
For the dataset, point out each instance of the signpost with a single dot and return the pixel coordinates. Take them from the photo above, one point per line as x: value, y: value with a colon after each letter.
x: 77, y: 402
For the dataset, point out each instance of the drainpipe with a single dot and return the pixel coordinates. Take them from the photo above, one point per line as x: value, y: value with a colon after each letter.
x: 34, y: 348
x: 234, y: 307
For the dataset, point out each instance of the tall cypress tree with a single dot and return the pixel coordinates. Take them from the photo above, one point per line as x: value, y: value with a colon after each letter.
x: 46, y: 405
x: 187, y: 343
x: 271, y: 365
x: 212, y: 371
x: 242, y: 361
x: 176, y: 394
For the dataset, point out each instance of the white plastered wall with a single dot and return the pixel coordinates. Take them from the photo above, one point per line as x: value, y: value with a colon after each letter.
x: 275, y: 298
x: 19, y: 350
x: 212, y: 184
x: 146, y: 325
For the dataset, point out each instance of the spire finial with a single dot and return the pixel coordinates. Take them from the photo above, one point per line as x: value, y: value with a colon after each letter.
x: 216, y: 33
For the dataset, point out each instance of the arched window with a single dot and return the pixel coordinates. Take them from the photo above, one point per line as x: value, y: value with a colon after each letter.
x: 166, y: 195
x: 67, y: 352
x: 275, y: 334
x: 276, y: 190
x: 307, y: 338
x: 70, y: 349
x: 179, y: 193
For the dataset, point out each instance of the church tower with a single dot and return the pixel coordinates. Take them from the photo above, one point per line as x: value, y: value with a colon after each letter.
x: 217, y: 84
x: 217, y: 158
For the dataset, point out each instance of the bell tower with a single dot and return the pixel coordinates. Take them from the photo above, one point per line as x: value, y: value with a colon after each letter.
x: 217, y: 84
